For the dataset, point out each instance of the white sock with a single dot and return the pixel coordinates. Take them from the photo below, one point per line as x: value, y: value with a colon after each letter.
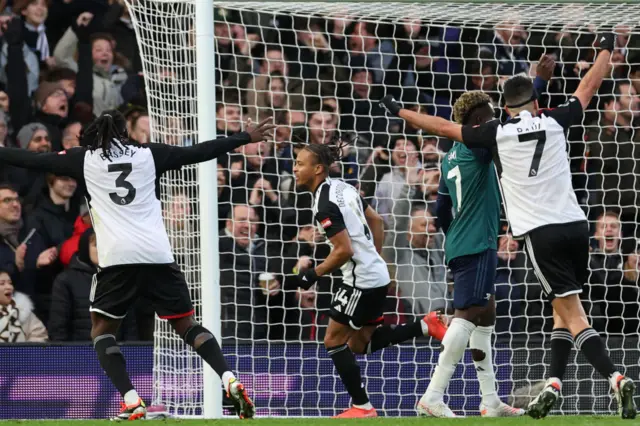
x: 366, y: 406
x: 481, y: 341
x: 613, y: 380
x: 454, y: 342
x: 555, y: 380
x: 131, y: 397
x: 425, y: 328
x: 226, y: 378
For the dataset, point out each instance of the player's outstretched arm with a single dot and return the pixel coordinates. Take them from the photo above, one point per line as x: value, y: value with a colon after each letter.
x: 376, y: 225
x: 169, y: 157
x: 591, y: 82
x: 432, y: 125
x: 65, y: 163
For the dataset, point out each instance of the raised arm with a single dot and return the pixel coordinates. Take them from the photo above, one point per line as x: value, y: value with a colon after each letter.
x: 168, y: 157
x: 66, y: 163
x: 432, y: 125
x: 591, y: 82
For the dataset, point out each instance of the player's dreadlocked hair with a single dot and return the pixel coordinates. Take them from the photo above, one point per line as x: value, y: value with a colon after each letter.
x: 467, y: 104
x: 330, y: 152
x: 103, y: 131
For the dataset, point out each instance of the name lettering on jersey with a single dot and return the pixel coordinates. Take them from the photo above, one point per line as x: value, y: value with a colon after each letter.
x: 326, y: 223
x: 452, y: 156
x: 117, y: 153
x: 534, y: 127
x: 340, y: 193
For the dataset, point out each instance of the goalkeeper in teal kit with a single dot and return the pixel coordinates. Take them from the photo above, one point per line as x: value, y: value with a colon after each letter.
x: 468, y: 211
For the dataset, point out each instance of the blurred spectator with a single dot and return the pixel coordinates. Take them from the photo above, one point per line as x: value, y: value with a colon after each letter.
x: 361, y: 112
x: 96, y: 68
x: 55, y: 212
x: 322, y: 129
x: 405, y: 174
x: 80, y: 225
x: 418, y: 257
x: 614, y: 160
x: 18, y: 323
x: 16, y: 56
x: 509, y: 48
x: 140, y: 128
x: 242, y: 260
x: 65, y: 77
x: 117, y: 22
x: 23, y: 252
x: 33, y: 137
x: 69, y: 319
x: 4, y: 130
x: 71, y: 135
x: 614, y: 298
x: 228, y: 119
x: 375, y: 53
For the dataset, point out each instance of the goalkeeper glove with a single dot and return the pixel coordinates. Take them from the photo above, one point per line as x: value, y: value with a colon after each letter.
x: 608, y: 42
x: 390, y: 105
x: 307, y: 278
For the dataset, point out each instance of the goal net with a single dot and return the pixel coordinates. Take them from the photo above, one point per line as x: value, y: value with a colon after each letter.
x: 318, y: 69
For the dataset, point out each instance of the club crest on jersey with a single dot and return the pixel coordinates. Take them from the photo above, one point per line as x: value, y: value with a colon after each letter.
x: 325, y: 223
x: 452, y: 156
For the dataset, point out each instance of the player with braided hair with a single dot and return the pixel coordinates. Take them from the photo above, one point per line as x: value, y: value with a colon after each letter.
x: 121, y: 180
x: 355, y: 233
x: 469, y: 187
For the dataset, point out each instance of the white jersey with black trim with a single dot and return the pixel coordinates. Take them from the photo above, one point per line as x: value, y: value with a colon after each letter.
x: 123, y: 190
x: 535, y: 175
x: 338, y: 206
x: 125, y: 210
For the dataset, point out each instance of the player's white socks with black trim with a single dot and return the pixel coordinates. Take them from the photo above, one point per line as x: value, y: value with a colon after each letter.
x: 481, y: 350
x: 455, y: 342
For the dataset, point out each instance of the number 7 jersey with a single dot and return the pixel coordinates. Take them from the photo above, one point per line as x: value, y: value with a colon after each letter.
x: 535, y: 174
x: 468, y: 177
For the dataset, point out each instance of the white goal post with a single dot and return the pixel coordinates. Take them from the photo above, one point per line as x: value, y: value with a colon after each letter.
x: 318, y: 68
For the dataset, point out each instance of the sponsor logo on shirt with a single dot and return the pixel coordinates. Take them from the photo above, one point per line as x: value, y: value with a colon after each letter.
x: 326, y: 223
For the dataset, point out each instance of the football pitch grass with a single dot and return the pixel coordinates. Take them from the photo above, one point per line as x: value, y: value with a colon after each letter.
x: 380, y: 421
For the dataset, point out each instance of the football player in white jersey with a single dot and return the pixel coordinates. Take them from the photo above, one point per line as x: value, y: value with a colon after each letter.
x: 355, y: 232
x: 542, y: 207
x: 121, y: 179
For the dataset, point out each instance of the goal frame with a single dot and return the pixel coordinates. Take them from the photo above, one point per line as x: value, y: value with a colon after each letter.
x: 208, y: 200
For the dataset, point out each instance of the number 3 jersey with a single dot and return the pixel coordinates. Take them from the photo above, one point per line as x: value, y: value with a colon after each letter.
x: 123, y: 191
x: 535, y: 175
x: 338, y: 206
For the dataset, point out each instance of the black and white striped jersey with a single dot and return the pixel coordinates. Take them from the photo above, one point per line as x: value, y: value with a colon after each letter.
x: 535, y: 175
x: 338, y: 206
x: 123, y: 191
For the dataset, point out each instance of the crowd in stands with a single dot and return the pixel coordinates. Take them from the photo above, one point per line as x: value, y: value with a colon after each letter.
x: 63, y: 62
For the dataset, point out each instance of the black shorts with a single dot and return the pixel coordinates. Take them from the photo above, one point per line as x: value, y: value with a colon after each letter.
x: 359, y: 307
x: 116, y: 288
x: 560, y: 257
